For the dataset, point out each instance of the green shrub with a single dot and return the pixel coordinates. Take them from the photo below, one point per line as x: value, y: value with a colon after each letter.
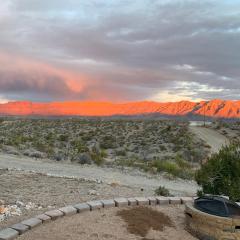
x: 221, y: 173
x: 180, y: 168
x: 108, y: 142
x: 166, y: 166
x: 182, y: 163
x: 97, y: 158
x: 63, y: 138
x: 162, y: 191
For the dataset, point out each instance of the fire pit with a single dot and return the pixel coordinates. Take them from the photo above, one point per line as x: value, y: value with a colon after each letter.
x: 214, y: 217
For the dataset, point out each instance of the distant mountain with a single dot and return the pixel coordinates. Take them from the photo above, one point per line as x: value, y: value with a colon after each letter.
x: 215, y: 108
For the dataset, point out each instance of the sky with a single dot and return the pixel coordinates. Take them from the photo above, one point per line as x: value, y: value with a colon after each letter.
x: 119, y: 50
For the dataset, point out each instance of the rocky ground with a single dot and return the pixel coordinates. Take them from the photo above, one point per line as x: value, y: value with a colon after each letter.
x: 26, y: 194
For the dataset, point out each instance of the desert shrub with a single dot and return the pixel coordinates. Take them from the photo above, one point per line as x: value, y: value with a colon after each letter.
x: 58, y: 157
x: 34, y: 154
x: 162, y: 148
x: 84, y: 158
x: 108, y: 142
x: 63, y: 137
x: 121, y: 153
x: 40, y: 146
x: 220, y: 174
x: 98, y: 158
x: 179, y: 168
x: 79, y: 146
x: 162, y: 191
x: 182, y: 163
x: 86, y: 137
x: 166, y: 166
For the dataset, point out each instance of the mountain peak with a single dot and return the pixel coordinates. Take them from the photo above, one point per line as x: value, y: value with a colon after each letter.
x: 215, y: 108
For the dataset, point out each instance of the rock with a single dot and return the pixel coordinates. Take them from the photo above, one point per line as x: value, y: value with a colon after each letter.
x: 95, y: 205
x: 114, y: 184
x: 99, y: 181
x: 2, y: 217
x: 82, y: 207
x: 132, y: 202
x: 2, y: 202
x: 152, y: 200
x: 54, y: 214
x: 93, y: 192
x: 175, y: 200
x: 121, y: 202
x: 142, y: 201
x: 68, y: 210
x: 14, y: 210
x: 30, y: 205
x: 108, y: 203
x: 162, y: 200
x: 8, y: 234
x: 21, y: 228
x: 32, y: 222
x: 3, y: 210
x: 44, y: 218
x: 19, y: 203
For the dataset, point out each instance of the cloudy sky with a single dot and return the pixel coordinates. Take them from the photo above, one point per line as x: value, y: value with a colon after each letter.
x: 119, y: 50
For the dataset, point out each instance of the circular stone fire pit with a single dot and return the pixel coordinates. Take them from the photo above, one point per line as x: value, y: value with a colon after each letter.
x: 213, y: 217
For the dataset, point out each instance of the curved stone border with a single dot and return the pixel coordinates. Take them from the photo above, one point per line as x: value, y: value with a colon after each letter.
x: 15, y: 230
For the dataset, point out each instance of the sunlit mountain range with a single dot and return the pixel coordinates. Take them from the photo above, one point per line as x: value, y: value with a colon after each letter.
x: 215, y: 108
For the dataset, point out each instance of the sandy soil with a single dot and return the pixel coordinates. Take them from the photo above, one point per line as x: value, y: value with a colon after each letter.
x: 131, y: 178
x: 106, y: 224
x: 51, y: 192
x: 211, y: 137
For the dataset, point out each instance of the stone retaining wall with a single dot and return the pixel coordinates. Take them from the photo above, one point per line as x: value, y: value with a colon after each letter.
x: 15, y: 230
x: 208, y: 226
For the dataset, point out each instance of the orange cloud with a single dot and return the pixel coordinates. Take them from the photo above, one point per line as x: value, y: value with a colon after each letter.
x: 23, y: 74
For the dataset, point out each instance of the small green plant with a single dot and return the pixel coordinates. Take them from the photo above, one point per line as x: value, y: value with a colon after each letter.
x: 162, y: 191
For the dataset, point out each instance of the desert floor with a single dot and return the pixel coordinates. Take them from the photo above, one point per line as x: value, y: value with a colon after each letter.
x: 168, y: 222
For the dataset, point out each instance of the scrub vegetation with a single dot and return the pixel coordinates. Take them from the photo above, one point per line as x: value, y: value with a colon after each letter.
x: 220, y: 174
x: 151, y: 145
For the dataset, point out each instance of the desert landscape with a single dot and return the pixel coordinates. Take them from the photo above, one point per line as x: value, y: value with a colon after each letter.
x: 50, y: 163
x: 151, y: 145
x: 119, y: 119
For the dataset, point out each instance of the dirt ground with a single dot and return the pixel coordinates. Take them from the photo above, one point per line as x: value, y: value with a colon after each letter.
x: 48, y: 192
x: 211, y: 137
x: 106, y: 224
x: 125, y: 177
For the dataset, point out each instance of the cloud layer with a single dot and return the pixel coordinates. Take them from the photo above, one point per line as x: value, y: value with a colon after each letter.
x: 119, y: 50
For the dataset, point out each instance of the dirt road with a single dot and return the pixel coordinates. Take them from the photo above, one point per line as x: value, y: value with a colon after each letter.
x: 214, y: 139
x: 132, y: 178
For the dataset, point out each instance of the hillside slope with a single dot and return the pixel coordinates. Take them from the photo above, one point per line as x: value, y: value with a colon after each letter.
x: 214, y: 108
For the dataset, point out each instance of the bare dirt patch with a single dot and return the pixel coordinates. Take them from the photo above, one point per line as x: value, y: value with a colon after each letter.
x: 46, y: 192
x: 107, y: 225
x: 141, y: 219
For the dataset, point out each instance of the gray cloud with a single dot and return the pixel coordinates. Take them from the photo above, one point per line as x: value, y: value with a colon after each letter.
x: 129, y: 47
